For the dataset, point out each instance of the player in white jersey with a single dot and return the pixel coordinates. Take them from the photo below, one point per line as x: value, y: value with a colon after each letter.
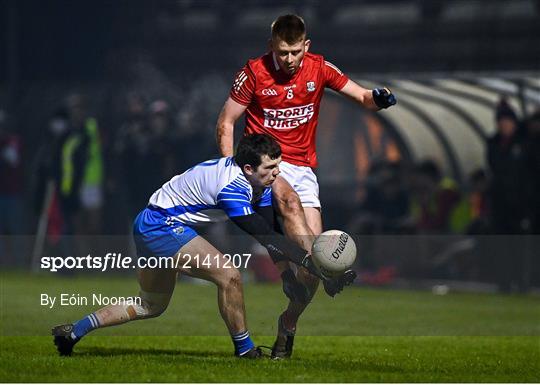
x: 236, y: 188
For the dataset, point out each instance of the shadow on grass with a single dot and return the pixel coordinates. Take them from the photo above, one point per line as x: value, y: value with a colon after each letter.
x: 114, y: 351
x: 339, y: 365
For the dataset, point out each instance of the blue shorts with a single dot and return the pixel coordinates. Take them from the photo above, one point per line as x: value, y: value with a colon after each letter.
x: 155, y: 236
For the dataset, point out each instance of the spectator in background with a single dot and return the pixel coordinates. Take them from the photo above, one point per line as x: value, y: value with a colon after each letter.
x: 50, y: 204
x: 47, y: 163
x: 81, y: 187
x: 11, y: 187
x: 434, y: 198
x: 386, y: 207
x: 47, y: 169
x: 479, y: 203
x: 130, y: 159
x: 471, y: 214
x: 468, y: 256
x: 510, y: 160
x: 197, y: 143
x: 533, y: 135
x: 385, y: 210
x: 163, y: 142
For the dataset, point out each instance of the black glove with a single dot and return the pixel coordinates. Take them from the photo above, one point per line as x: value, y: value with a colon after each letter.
x: 294, y: 289
x: 335, y: 285
x: 383, y: 97
x: 332, y: 286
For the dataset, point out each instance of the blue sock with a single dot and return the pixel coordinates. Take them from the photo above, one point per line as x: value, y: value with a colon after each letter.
x: 84, y: 326
x: 242, y: 343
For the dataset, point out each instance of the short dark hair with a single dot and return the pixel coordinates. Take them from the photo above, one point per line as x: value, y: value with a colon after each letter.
x: 289, y: 28
x: 253, y: 146
x: 505, y: 110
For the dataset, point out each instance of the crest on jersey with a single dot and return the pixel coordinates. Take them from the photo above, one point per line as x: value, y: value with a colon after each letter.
x: 310, y: 86
x: 178, y: 230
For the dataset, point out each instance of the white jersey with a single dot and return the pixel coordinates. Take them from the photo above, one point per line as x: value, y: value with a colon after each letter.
x: 211, y: 191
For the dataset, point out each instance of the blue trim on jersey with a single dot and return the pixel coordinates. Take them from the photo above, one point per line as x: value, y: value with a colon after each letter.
x: 266, y: 198
x: 235, y: 198
x: 235, y: 204
x: 237, y: 184
x: 179, y: 210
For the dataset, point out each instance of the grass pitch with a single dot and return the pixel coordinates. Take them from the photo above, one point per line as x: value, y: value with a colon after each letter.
x: 363, y: 335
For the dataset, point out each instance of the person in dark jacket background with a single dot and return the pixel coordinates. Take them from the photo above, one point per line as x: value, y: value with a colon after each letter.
x: 510, y: 161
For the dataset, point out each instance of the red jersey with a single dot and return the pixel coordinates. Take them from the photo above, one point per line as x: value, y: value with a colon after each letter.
x: 286, y: 107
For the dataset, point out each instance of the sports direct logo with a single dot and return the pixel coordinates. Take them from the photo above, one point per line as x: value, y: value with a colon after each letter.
x: 288, y: 118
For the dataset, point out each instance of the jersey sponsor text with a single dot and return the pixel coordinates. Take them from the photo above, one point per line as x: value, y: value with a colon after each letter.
x: 288, y: 118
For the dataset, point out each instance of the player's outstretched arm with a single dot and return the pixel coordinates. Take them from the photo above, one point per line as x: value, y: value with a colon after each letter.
x: 230, y: 113
x: 279, y: 247
x: 371, y: 99
x: 295, y: 290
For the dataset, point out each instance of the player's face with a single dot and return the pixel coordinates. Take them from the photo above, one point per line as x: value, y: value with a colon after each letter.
x: 289, y: 56
x: 266, y: 173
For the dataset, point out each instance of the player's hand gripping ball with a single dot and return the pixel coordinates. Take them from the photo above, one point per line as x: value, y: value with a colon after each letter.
x: 383, y: 97
x: 333, y: 252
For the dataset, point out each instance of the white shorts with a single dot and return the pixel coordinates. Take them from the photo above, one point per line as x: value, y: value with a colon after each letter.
x: 303, y: 181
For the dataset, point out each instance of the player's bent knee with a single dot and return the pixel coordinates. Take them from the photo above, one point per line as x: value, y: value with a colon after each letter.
x: 149, y: 305
x: 230, y: 278
x: 234, y: 278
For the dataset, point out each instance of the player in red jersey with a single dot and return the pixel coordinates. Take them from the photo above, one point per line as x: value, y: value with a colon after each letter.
x: 280, y: 94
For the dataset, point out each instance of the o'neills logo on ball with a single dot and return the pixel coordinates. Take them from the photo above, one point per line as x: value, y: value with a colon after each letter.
x: 341, y: 245
x: 288, y: 118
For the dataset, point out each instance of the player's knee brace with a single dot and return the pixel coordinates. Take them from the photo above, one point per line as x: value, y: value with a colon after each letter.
x: 148, y: 305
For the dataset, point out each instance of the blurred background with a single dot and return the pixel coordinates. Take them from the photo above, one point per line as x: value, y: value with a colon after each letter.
x: 103, y: 101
